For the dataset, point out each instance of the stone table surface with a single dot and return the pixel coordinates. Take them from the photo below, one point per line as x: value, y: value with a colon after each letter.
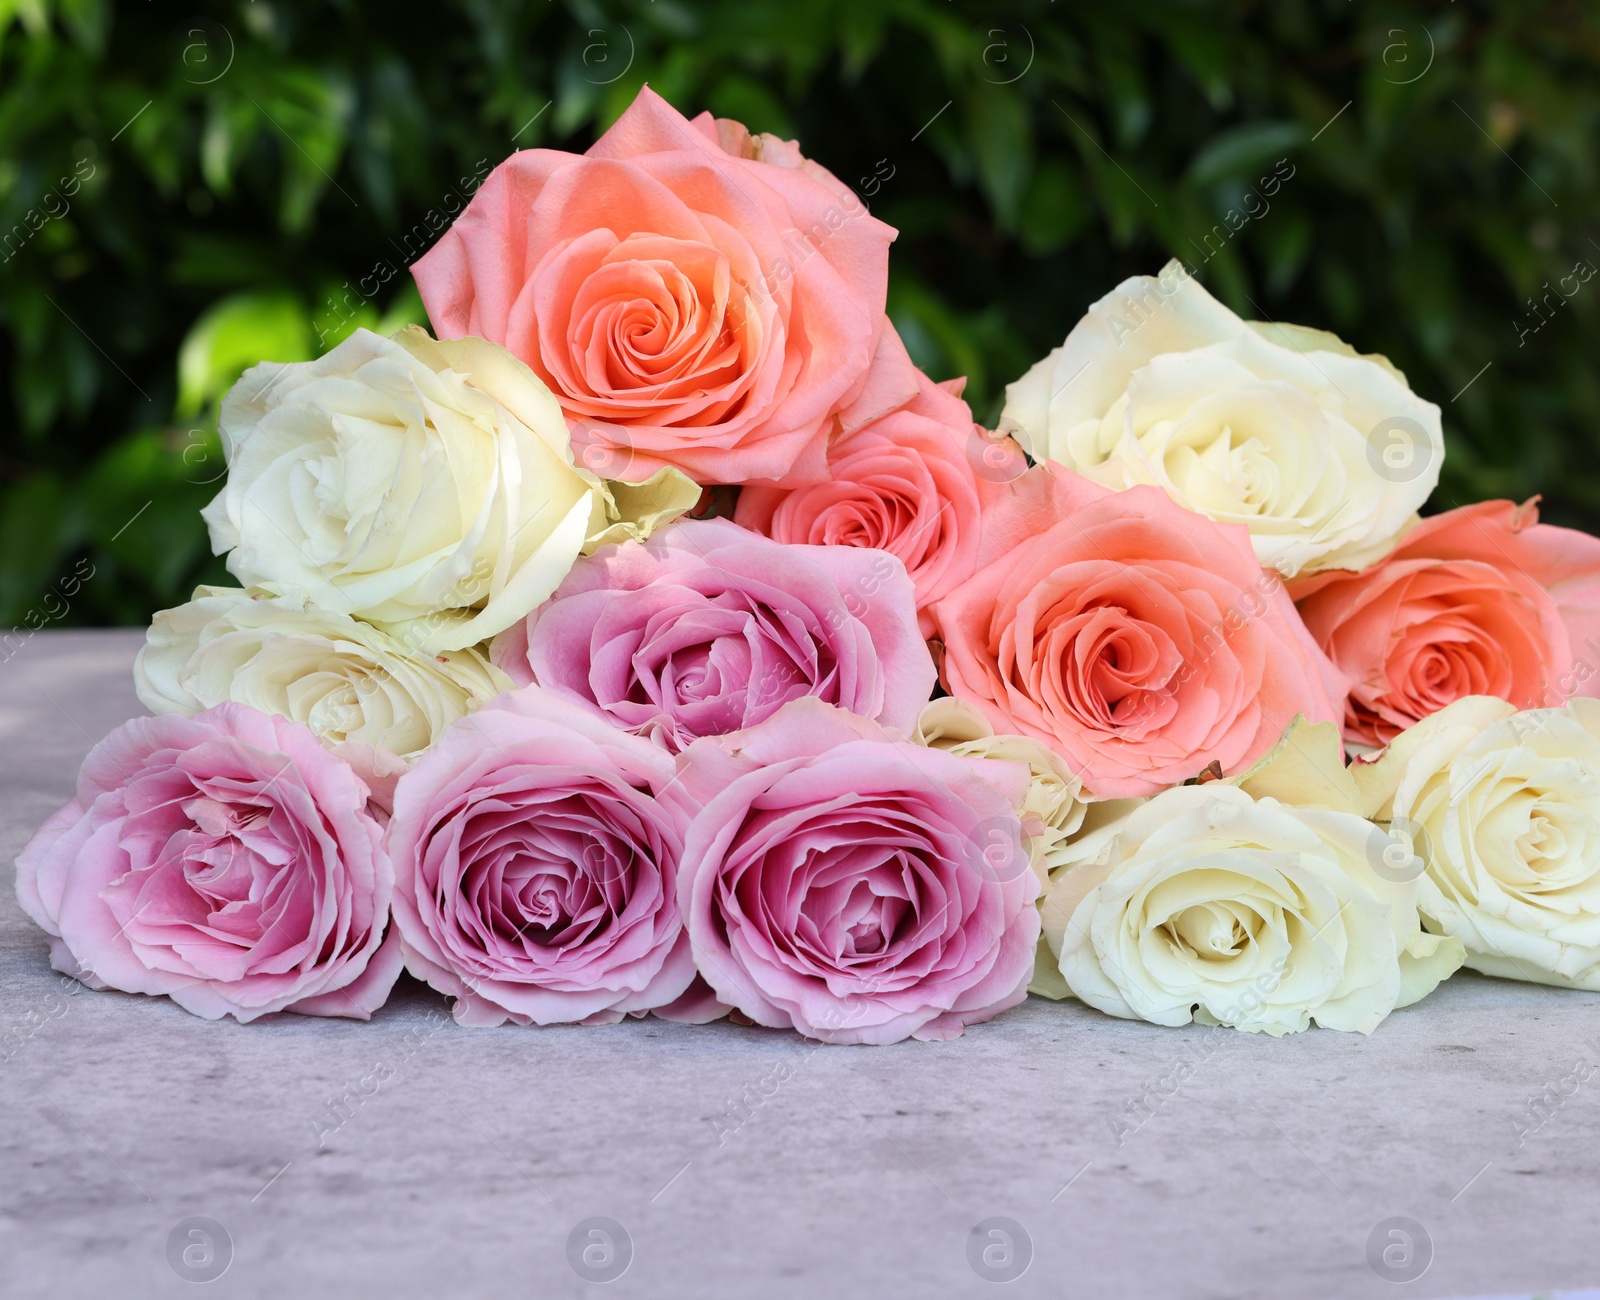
x: 408, y: 1157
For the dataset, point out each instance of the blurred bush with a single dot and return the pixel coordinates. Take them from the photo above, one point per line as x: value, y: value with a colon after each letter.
x: 182, y: 195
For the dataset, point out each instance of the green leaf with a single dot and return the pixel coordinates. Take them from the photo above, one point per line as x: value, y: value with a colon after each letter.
x: 861, y: 32
x: 1206, y: 53
x: 32, y: 517
x: 748, y: 101
x: 405, y: 308
x: 1054, y: 210
x: 1242, y: 150
x: 1002, y: 145
x: 233, y: 336
x: 1116, y: 56
x: 307, y: 114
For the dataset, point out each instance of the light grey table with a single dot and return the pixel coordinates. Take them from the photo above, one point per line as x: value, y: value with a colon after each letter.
x: 1258, y: 1169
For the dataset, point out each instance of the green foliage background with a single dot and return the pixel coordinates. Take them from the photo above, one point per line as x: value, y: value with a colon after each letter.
x: 185, y: 191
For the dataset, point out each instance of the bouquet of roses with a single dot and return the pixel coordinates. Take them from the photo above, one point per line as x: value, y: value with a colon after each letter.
x: 658, y: 639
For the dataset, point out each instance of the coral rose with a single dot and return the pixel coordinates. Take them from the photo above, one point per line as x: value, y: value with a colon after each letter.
x: 225, y: 860
x: 693, y: 295
x: 906, y: 484
x: 708, y: 628
x: 1480, y: 600
x: 841, y: 880
x: 1143, y: 642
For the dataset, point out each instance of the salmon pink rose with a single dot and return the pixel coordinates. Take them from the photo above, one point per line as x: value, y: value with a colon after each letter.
x: 1140, y: 640
x: 708, y: 628
x: 1480, y: 600
x: 536, y: 869
x: 838, y: 879
x: 693, y: 295
x: 905, y: 484
x: 225, y: 860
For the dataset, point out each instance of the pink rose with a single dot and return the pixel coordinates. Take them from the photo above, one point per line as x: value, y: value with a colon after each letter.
x: 707, y: 628
x: 912, y: 484
x: 225, y: 860
x: 693, y: 296
x: 536, y: 869
x: 1141, y: 641
x: 854, y: 886
x: 1480, y: 600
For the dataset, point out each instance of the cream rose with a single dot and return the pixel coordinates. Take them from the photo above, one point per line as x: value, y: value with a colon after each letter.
x: 1324, y: 455
x: 1061, y: 828
x: 1052, y: 812
x: 1225, y: 904
x: 350, y: 682
x: 394, y: 479
x: 1505, y: 808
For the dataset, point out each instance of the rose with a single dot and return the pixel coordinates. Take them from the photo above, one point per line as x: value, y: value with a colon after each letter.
x: 1215, y: 906
x: 1505, y: 809
x: 707, y: 628
x: 1060, y: 830
x: 903, y: 484
x: 1137, y: 639
x: 1244, y: 863
x: 1480, y: 600
x: 350, y: 682
x: 840, y: 880
x: 536, y: 867
x: 1052, y: 811
x: 693, y: 296
x: 1324, y: 455
x: 225, y: 860
x: 404, y: 479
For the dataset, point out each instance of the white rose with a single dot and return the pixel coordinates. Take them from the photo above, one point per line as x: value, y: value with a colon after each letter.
x: 396, y: 478
x: 1324, y: 455
x: 1053, y: 810
x: 1224, y: 904
x: 348, y: 681
x: 1505, y: 808
x: 1061, y: 828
